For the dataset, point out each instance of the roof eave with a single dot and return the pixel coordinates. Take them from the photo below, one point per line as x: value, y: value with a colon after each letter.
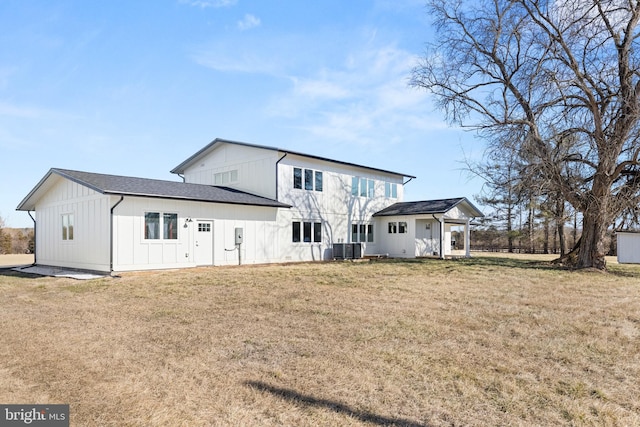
x: 271, y: 204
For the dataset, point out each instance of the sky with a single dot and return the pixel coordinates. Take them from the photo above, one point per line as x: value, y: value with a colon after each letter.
x: 134, y: 87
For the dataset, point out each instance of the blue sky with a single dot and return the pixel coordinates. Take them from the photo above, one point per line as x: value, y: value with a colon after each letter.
x: 135, y: 87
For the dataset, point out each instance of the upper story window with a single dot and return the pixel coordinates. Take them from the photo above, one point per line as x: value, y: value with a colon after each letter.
x: 312, y: 179
x: 224, y: 178
x: 363, y: 187
x: 67, y: 227
x: 154, y: 222
x: 390, y: 190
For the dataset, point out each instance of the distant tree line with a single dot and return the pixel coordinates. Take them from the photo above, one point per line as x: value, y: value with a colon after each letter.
x: 16, y: 240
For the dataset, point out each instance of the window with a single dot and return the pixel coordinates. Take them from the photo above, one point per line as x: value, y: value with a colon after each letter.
x: 308, y: 179
x: 361, y: 233
x: 297, y: 178
x: 363, y: 187
x: 402, y: 227
x: 152, y: 225
x: 296, y: 232
x: 154, y: 222
x: 312, y: 179
x: 317, y: 232
x: 224, y: 178
x: 67, y: 227
x: 307, y: 232
x: 170, y: 221
x: 204, y: 227
x: 390, y: 190
x: 393, y: 227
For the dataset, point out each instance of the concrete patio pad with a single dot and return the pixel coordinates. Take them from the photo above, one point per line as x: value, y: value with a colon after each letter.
x: 59, y: 272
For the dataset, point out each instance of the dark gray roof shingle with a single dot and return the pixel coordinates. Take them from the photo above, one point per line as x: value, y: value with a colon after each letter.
x: 425, y: 207
x: 143, y: 187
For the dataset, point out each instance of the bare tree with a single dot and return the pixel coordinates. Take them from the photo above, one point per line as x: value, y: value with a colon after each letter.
x: 567, y: 75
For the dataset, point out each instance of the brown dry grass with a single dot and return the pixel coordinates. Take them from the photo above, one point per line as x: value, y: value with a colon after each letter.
x: 485, y: 341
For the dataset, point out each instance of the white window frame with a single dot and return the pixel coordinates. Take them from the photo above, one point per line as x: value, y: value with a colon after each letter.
x: 68, y: 226
x: 364, y: 232
x: 308, y: 179
x: 161, y: 227
x: 226, y: 178
x: 363, y: 187
x: 315, y: 230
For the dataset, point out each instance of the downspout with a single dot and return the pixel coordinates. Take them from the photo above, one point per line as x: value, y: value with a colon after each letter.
x: 280, y: 159
x: 35, y: 253
x: 111, y: 234
x: 441, y: 232
x: 181, y: 176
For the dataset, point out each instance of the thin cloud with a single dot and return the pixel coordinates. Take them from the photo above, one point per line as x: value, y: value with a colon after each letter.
x: 364, y: 100
x: 249, y: 21
x: 203, y: 4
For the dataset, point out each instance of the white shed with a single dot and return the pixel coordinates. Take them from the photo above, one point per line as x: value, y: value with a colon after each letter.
x: 628, y: 247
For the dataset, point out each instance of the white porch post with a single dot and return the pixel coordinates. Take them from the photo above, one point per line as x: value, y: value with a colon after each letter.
x: 467, y: 239
x: 441, y: 237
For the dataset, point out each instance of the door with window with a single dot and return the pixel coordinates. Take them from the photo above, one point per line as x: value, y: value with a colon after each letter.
x: 204, y: 243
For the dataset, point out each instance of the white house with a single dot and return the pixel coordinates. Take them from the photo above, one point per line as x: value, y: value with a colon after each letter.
x: 238, y: 203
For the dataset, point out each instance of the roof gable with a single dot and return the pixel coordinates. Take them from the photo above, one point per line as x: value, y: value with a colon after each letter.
x: 428, y: 207
x: 180, y: 169
x: 143, y: 187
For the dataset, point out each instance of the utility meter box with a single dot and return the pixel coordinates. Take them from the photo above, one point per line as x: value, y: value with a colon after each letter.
x: 239, y: 236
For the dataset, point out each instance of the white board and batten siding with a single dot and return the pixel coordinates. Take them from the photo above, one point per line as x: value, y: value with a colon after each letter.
x: 335, y: 207
x: 134, y: 252
x: 628, y: 244
x: 89, y: 247
x: 253, y: 168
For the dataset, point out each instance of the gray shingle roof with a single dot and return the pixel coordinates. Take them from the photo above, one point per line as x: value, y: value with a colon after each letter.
x: 143, y: 187
x: 426, y: 207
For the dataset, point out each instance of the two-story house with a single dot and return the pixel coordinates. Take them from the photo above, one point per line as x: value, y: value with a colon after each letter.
x: 238, y: 203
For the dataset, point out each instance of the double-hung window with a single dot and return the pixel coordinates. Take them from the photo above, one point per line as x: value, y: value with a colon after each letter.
x: 155, y: 222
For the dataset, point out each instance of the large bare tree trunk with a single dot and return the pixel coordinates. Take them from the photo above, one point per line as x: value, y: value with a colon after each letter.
x: 591, y: 250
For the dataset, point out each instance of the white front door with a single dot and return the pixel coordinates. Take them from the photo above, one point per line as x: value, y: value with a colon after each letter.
x: 204, y: 243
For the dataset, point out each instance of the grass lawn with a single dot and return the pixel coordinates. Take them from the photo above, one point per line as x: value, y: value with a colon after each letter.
x: 483, y: 341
